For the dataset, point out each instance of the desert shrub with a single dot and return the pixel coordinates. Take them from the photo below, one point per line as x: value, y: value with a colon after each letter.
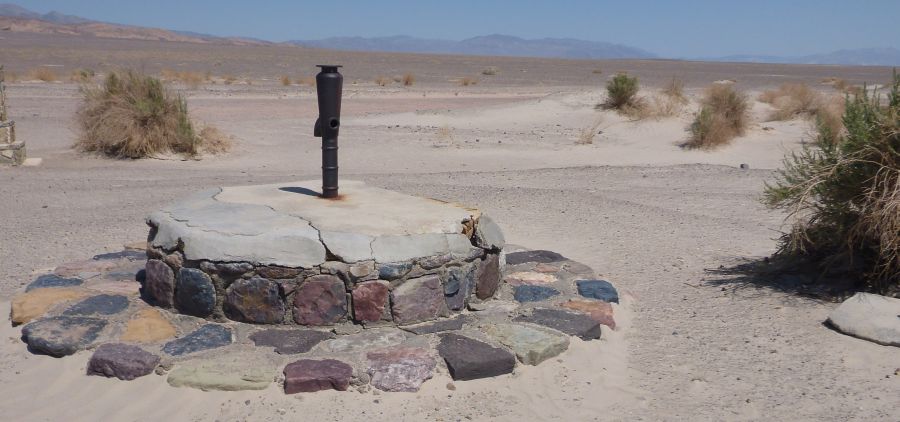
x: 842, y: 195
x: 597, y: 71
x: 229, y: 79
x: 621, y: 92
x: 490, y: 71
x: 792, y: 100
x: 723, y: 116
x: 82, y: 75
x: 285, y: 81
x: 43, y: 74
x: 307, y: 80
x: 382, y: 81
x: 408, y: 79
x: 466, y: 81
x: 192, y: 79
x: 674, y: 89
x: 586, y: 137
x: 134, y: 116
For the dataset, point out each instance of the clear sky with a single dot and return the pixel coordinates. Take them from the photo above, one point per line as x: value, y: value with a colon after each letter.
x: 688, y: 28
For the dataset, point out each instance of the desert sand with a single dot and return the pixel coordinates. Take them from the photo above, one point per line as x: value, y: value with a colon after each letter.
x: 646, y: 214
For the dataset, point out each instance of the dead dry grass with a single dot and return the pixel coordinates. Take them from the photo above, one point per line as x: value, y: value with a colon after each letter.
x: 723, y: 115
x: 794, y: 100
x: 82, y: 75
x: 466, y: 81
x: 135, y: 116
x: 285, y: 80
x: 408, y: 79
x: 306, y: 80
x: 490, y: 71
x: 383, y: 81
x: 43, y: 74
x: 586, y: 136
x: 192, y: 79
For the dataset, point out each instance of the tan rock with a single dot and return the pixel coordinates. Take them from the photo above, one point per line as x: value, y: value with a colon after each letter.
x: 72, y: 269
x: 546, y: 268
x: 37, y: 302
x: 148, y: 326
x: 528, y: 277
x: 136, y: 246
x: 598, y: 310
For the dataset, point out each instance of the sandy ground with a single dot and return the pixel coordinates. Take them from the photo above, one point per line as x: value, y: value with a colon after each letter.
x: 633, y: 205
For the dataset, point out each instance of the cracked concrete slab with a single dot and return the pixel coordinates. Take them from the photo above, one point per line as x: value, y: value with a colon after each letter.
x: 288, y: 224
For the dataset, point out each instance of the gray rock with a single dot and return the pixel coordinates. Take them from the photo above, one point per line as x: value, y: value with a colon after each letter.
x: 432, y: 262
x: 366, y: 340
x: 256, y: 300
x: 571, y: 323
x: 418, y: 300
x: 209, y: 336
x: 531, y: 345
x: 53, y: 280
x: 394, y: 271
x: 194, y: 293
x: 126, y: 254
x: 122, y: 361
x: 289, y: 342
x: 459, y: 285
x: 598, y: 289
x: 453, y: 324
x: 530, y: 293
x: 98, y: 305
x: 62, y: 335
x: 488, y: 234
x: 537, y: 256
x: 469, y: 359
x: 870, y: 317
x: 309, y: 375
x: 400, y: 368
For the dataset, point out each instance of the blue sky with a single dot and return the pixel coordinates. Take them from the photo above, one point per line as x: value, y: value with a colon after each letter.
x: 689, y: 28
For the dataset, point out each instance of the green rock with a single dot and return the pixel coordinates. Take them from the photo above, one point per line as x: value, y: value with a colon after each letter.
x: 234, y: 373
x: 532, y: 345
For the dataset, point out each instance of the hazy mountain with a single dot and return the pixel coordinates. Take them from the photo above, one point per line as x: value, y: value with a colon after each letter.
x: 859, y: 57
x: 15, y: 18
x: 16, y: 11
x: 489, y: 45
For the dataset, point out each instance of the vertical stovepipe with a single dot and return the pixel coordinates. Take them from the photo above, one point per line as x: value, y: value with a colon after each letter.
x: 329, y: 83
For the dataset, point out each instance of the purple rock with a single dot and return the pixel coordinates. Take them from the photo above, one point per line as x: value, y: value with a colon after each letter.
x: 98, y: 305
x: 256, y: 300
x: 545, y: 257
x: 309, y: 375
x: 571, y: 323
x: 123, y: 361
x: 418, y: 300
x: 320, y: 300
x: 469, y: 359
x: 289, y: 342
x: 159, y: 283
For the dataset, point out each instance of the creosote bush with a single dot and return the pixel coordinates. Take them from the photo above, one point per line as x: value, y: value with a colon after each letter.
x: 621, y: 92
x: 723, y: 116
x: 134, y: 116
x: 842, y: 195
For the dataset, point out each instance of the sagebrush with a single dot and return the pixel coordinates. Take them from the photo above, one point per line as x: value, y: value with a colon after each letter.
x: 621, y: 92
x: 723, y: 115
x: 842, y: 194
x: 132, y: 115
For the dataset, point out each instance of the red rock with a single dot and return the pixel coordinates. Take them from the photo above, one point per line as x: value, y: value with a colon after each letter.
x: 370, y: 300
x: 320, y: 300
x: 598, y: 310
x: 487, y: 276
x: 309, y: 375
x: 159, y: 283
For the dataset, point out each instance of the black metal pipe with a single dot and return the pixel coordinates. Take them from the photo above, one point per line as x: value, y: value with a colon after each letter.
x: 329, y: 83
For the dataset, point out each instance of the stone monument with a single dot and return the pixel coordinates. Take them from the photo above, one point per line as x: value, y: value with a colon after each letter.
x: 368, y: 288
x: 11, y: 152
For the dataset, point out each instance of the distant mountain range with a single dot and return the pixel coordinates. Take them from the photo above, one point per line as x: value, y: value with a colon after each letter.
x: 19, y: 19
x: 860, y: 57
x: 489, y: 45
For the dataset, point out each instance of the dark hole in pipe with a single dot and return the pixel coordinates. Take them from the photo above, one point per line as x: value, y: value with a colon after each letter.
x: 334, y: 123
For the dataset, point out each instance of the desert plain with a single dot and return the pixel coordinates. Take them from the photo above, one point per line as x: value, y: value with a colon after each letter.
x: 694, y: 341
